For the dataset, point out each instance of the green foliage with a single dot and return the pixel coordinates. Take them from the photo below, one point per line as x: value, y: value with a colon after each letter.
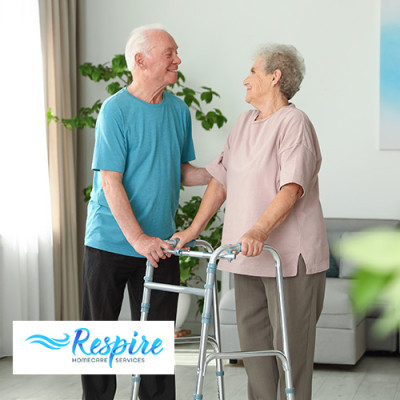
x: 377, y: 279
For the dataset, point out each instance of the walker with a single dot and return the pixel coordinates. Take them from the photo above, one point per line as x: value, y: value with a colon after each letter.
x: 227, y: 252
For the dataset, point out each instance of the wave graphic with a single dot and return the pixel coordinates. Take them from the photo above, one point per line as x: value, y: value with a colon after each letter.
x: 50, y: 343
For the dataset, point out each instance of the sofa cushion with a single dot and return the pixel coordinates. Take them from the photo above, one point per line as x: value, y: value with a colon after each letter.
x: 333, y: 271
x: 227, y: 308
x: 346, y: 267
x: 337, y: 311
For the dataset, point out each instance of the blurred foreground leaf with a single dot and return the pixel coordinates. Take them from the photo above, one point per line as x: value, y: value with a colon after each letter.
x: 376, y: 255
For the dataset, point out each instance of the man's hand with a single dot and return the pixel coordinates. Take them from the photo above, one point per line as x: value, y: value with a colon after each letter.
x: 253, y: 241
x: 151, y: 247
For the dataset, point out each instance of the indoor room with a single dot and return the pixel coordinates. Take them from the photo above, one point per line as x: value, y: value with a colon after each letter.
x: 351, y: 95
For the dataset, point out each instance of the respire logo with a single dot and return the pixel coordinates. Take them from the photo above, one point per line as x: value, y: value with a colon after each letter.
x: 76, y: 347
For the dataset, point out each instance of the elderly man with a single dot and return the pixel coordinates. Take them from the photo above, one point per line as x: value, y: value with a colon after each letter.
x: 141, y: 157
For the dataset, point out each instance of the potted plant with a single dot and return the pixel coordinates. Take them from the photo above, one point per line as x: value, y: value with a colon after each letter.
x: 118, y: 76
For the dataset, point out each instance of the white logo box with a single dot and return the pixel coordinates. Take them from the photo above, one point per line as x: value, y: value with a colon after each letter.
x: 93, y: 347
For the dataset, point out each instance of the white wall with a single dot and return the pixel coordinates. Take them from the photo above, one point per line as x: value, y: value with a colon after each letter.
x: 340, y: 43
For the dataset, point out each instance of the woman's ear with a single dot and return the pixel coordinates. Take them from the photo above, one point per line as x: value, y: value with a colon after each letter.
x: 276, y: 76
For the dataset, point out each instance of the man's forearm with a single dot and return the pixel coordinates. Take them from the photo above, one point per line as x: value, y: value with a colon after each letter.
x: 194, y: 176
x: 121, y: 209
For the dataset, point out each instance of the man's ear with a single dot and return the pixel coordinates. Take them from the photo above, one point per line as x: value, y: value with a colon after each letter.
x: 139, y: 60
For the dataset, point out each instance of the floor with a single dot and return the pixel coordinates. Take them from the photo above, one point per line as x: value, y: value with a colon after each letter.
x: 376, y: 376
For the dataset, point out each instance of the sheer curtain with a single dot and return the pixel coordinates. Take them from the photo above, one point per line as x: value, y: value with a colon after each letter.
x: 26, y: 259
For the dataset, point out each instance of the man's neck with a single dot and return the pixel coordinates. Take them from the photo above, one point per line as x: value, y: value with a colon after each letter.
x: 146, y: 92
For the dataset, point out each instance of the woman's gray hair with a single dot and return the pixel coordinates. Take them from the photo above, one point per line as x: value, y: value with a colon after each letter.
x: 138, y: 42
x: 289, y: 61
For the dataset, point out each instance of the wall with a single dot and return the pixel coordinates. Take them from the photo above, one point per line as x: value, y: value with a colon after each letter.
x: 340, y: 43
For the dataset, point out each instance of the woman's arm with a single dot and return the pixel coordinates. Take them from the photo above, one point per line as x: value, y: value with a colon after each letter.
x: 253, y: 240
x: 194, y: 176
x: 213, y: 199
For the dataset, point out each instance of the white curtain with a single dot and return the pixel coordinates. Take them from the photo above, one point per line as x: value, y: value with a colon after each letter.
x: 26, y: 261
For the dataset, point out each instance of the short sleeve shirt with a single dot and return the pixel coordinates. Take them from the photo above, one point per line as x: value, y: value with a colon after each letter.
x: 261, y: 156
x: 147, y: 144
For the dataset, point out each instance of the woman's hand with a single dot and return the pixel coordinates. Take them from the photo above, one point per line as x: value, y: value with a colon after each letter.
x: 184, y: 237
x: 253, y: 242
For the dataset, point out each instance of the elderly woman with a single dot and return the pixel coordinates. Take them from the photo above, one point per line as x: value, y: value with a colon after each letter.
x: 268, y: 175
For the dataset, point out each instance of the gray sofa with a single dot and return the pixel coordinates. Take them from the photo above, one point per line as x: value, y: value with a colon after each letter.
x: 342, y: 336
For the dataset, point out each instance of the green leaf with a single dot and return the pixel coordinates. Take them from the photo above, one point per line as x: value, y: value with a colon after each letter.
x: 206, y: 125
x: 86, y: 193
x: 206, y: 96
x: 367, y: 288
x: 113, y: 87
x: 375, y: 249
x: 199, y: 115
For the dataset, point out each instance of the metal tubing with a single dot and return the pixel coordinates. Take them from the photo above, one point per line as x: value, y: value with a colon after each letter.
x: 210, y: 294
x: 239, y: 355
x: 143, y: 317
x: 174, y: 288
x: 282, y: 309
x: 206, y: 311
x: 219, y: 366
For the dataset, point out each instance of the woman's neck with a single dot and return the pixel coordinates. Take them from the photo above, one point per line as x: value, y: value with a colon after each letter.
x: 271, y: 107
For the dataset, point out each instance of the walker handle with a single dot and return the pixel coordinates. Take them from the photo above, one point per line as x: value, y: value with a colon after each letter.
x: 175, y: 241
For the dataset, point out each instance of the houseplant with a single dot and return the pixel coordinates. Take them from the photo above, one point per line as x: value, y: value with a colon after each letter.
x: 116, y: 74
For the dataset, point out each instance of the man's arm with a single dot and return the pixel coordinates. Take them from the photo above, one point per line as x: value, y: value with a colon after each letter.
x: 278, y: 210
x: 194, y: 176
x: 117, y: 199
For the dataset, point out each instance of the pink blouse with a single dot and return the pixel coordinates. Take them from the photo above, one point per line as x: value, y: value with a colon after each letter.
x: 259, y: 158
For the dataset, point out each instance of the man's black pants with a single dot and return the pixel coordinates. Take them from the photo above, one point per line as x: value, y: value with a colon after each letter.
x: 105, y: 276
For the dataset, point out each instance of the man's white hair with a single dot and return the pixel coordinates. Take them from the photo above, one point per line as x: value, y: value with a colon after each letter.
x: 138, y: 42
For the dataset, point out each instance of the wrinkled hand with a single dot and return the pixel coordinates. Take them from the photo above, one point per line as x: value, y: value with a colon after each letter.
x: 151, y: 247
x: 253, y: 242
x: 184, y: 237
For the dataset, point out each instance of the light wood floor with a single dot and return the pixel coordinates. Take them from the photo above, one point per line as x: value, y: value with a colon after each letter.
x: 375, y: 377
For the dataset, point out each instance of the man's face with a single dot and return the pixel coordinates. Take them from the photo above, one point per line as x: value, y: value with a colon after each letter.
x: 162, y: 61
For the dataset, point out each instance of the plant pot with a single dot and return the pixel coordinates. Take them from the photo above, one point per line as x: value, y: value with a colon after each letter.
x: 182, y: 312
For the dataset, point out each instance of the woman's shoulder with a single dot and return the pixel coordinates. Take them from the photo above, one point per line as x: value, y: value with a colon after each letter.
x: 295, y: 115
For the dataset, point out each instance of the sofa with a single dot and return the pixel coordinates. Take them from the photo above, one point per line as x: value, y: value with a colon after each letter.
x: 342, y: 336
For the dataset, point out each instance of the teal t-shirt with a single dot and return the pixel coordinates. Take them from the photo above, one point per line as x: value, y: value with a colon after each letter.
x: 146, y: 143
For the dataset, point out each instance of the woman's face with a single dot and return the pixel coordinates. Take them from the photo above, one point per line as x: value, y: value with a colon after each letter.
x: 258, y: 84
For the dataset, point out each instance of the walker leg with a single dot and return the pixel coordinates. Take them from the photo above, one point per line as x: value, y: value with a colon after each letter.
x: 219, y: 365
x: 282, y: 311
x: 205, y: 322
x: 143, y: 317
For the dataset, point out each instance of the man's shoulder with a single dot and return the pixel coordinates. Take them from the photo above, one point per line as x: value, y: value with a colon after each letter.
x: 114, y: 101
x: 174, y: 100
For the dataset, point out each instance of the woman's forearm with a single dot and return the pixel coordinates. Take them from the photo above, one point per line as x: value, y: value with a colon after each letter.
x: 213, y: 199
x: 277, y: 211
x: 279, y: 208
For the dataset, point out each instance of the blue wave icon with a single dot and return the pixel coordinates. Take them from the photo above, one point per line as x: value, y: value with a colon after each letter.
x: 50, y: 343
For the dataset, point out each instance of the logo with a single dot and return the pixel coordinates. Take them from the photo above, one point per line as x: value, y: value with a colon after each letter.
x: 93, y: 347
